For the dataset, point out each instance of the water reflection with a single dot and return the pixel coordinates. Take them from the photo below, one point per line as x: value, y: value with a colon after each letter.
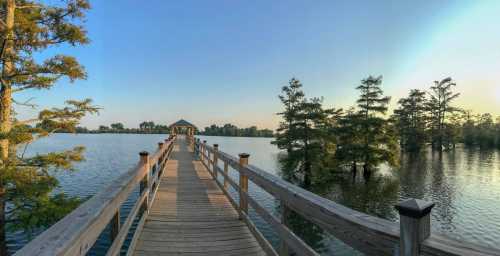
x: 464, y: 184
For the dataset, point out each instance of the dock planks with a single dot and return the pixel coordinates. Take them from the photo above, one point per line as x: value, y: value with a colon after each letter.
x: 191, y: 215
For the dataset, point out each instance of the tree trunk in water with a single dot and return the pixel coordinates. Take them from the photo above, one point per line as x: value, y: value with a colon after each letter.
x: 3, y: 239
x: 307, y: 175
x: 354, y: 170
x: 5, y: 109
x: 6, y: 90
x: 367, y: 173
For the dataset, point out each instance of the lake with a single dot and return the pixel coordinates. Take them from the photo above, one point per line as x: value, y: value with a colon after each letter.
x: 464, y: 184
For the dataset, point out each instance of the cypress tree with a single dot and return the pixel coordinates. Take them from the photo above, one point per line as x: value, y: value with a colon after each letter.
x: 410, y: 119
x: 440, y: 108
x: 301, y: 132
x: 26, y: 184
x: 378, y: 139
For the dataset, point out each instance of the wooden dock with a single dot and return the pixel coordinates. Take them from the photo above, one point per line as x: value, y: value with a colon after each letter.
x: 191, y: 215
x: 184, y: 208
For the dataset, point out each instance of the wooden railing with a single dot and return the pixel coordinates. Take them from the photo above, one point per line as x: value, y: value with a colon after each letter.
x: 365, y: 233
x: 76, y: 233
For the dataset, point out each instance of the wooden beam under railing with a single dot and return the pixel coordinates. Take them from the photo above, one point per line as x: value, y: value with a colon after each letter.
x: 76, y: 233
x: 363, y: 232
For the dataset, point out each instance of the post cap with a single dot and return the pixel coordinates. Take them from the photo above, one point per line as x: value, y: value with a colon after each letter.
x: 143, y: 153
x: 160, y: 144
x: 414, y: 208
x: 204, y: 141
x: 216, y: 145
x: 243, y: 155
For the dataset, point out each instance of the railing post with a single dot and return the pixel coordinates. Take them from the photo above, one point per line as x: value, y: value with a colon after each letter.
x: 197, y: 148
x: 415, y: 225
x: 285, y: 213
x: 144, y: 185
x: 243, y: 184
x: 159, y: 163
x: 214, y: 166
x: 115, y: 225
x: 168, y: 144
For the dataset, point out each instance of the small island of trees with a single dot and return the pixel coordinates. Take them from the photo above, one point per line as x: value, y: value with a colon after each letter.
x: 319, y: 141
x: 233, y: 131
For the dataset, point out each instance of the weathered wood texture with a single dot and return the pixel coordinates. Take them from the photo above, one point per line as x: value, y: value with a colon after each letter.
x: 365, y: 233
x: 191, y: 215
x: 77, y: 232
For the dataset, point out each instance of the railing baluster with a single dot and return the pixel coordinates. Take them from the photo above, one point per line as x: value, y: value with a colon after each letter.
x: 203, y: 147
x: 196, y: 148
x: 115, y: 225
x: 285, y: 213
x: 243, y: 184
x: 75, y: 233
x: 65, y: 237
x: 214, y: 165
x: 226, y: 171
x: 144, y: 185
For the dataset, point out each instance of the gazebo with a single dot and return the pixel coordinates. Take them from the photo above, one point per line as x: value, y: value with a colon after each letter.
x: 182, y: 126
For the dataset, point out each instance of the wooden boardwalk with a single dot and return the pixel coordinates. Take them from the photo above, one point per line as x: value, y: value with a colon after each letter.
x: 191, y: 215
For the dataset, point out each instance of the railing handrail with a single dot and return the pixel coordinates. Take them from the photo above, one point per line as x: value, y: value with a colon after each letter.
x: 363, y: 232
x: 76, y: 233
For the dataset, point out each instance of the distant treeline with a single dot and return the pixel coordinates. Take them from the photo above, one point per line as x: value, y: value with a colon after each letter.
x: 146, y: 127
x: 234, y: 131
x: 149, y: 127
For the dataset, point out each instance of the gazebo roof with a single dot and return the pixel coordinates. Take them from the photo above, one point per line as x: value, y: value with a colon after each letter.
x: 182, y: 122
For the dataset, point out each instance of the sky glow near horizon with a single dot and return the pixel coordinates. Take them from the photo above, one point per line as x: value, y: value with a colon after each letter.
x: 225, y: 61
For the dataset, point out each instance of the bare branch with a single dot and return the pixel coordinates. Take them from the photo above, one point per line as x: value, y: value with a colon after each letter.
x: 28, y: 6
x: 27, y: 121
x: 26, y: 103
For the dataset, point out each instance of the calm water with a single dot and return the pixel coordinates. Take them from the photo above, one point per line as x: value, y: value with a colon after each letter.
x: 464, y: 184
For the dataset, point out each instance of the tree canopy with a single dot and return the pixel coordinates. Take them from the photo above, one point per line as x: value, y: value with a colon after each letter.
x: 28, y: 28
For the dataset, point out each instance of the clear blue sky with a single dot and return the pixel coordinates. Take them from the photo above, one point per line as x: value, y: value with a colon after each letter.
x: 225, y: 61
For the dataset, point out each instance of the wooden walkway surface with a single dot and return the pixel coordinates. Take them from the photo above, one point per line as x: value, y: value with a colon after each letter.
x: 191, y: 215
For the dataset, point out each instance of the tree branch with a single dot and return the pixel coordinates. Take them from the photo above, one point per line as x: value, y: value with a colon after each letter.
x: 26, y: 103
x: 28, y: 6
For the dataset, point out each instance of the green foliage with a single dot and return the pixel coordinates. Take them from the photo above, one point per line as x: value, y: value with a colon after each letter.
x: 497, y: 132
x: 292, y: 96
x: 233, y: 131
x: 43, y: 211
x: 411, y: 121
x: 305, y: 134
x: 468, y: 129
x: 481, y: 130
x: 320, y: 143
x: 440, y: 109
x: 350, y: 140
x: 38, y: 26
x: 378, y: 142
x: 27, y: 183
x: 145, y: 127
x: 117, y: 126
